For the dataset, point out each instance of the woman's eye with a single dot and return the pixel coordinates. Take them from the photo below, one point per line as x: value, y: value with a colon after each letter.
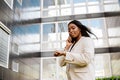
x: 73, y: 28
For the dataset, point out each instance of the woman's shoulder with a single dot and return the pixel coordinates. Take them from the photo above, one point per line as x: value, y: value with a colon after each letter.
x: 87, y: 41
x: 86, y: 38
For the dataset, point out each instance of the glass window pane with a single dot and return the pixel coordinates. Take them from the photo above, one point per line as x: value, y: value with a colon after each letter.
x: 48, y: 3
x: 49, y: 13
x: 96, y: 26
x: 119, y: 2
x: 114, y: 42
x: 79, y: 2
x: 30, y: 9
x: 52, y: 71
x: 30, y: 3
x: 45, y: 13
x: 29, y: 48
x: 93, y: 1
x: 63, y: 44
x: 93, y: 9
x: 30, y: 15
x: 63, y: 35
x: 102, y: 65
x: 26, y: 34
x: 115, y: 59
x: 63, y: 3
x: 113, y: 24
x: 49, y: 32
x: 114, y: 32
x: 49, y: 71
x: 110, y: 1
x: 63, y: 27
x: 48, y: 46
x: 111, y: 7
x: 100, y: 43
x: 80, y: 10
x: 62, y: 31
x: 65, y: 11
x: 84, y: 22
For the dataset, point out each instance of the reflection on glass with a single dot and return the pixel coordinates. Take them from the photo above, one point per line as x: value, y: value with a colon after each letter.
x: 96, y: 26
x: 63, y: 3
x: 114, y: 42
x: 48, y: 46
x: 63, y: 44
x: 62, y: 72
x: 15, y: 66
x: 49, y: 69
x: 48, y: 3
x: 102, y: 65
x: 49, y: 13
x: 28, y: 66
x: 115, y: 57
x: 110, y: 1
x: 79, y: 1
x: 111, y: 7
x: 49, y: 32
x: 29, y: 48
x: 30, y: 3
x: 100, y: 43
x: 62, y: 31
x: 26, y: 34
x: 96, y: 23
x: 114, y: 32
x: 62, y: 27
x: 52, y: 71
x: 63, y: 36
x: 52, y: 46
x: 93, y: 9
x: 80, y: 10
x: 119, y: 3
x: 65, y: 11
x: 45, y: 13
x: 31, y: 9
x: 84, y: 22
x: 93, y: 1
x: 30, y: 15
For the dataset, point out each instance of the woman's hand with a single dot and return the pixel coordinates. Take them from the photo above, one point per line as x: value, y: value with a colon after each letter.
x: 59, y: 53
x: 68, y: 43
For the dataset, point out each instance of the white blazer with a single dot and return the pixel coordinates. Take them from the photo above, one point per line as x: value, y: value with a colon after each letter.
x: 80, y: 60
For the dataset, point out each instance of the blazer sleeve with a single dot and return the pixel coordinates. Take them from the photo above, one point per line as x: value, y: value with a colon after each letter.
x: 62, y: 61
x: 81, y: 59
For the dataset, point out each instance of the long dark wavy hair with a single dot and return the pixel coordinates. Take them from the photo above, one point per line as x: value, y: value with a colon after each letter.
x: 84, y: 30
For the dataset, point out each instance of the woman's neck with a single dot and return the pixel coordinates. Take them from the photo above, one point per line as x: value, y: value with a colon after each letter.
x: 78, y: 38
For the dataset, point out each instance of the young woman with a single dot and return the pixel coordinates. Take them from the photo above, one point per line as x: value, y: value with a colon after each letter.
x: 78, y: 55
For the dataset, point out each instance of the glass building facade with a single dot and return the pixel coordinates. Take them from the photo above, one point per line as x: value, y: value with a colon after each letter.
x: 40, y: 27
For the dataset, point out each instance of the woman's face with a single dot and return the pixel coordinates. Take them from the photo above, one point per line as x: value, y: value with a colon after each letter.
x: 73, y: 30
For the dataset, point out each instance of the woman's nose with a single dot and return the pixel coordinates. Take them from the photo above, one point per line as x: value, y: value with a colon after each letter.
x: 71, y: 31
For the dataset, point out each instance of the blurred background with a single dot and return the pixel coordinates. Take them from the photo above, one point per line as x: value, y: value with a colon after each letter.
x: 31, y: 30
